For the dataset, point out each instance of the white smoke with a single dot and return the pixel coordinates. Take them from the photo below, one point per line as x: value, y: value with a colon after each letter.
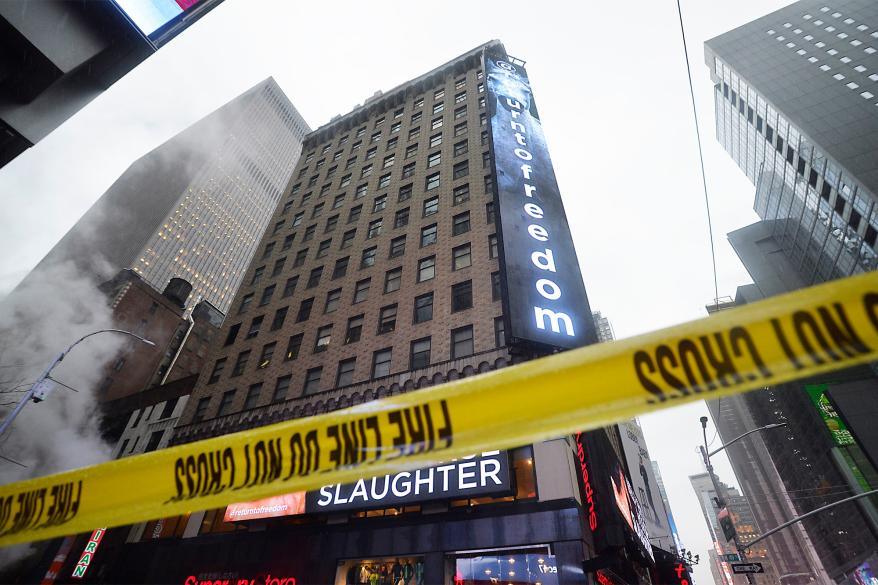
x: 53, y: 308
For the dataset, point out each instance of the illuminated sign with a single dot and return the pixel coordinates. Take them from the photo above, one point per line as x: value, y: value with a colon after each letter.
x: 262, y: 580
x: 645, y: 486
x: 543, y: 295
x: 839, y: 431
x: 468, y: 477
x: 586, y: 483
x: 88, y: 553
x: 284, y: 505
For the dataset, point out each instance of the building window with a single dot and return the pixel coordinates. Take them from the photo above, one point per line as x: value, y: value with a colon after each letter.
x: 459, y: 98
x: 347, y: 239
x: 461, y: 194
x: 381, y: 363
x: 332, y: 299
x: 461, y: 148
x: 324, y: 336
x: 309, y: 233
x: 426, y: 268
x: 338, y: 202
x: 387, y: 319
x: 318, y: 209
x: 300, y: 258
x: 401, y: 219
x: 428, y: 235
x: 290, y: 286
x: 305, y: 310
x: 460, y: 112
x: 411, y: 151
x: 486, y: 160
x: 493, y: 248
x: 462, y: 296
x: 368, y: 258
x: 281, y: 387
x: 269, y: 248
x: 416, y: 117
x: 341, y: 267
x: 361, y: 191
x: 438, y: 94
x: 279, y: 317
x: 460, y: 170
x: 201, y: 409
x: 460, y: 83
x: 460, y: 129
x: 366, y: 171
x: 489, y: 213
x: 431, y: 206
x: 435, y: 140
x: 384, y: 181
x: 293, y: 347
x: 267, y: 354
x: 423, y: 308
x: 314, y: 277
x: 246, y: 300
x: 392, y: 280
x: 499, y: 332
x: 405, y: 193
x: 374, y: 229
x: 257, y: 274
x: 376, y: 137
x: 266, y: 295
x: 252, y: 396
x: 460, y: 224
x: 331, y: 222
x: 232, y: 335
x: 345, y: 373
x: 354, y: 330
x: 312, y: 380
x: 438, y: 107
x: 346, y: 180
x: 241, y: 363
x: 461, y: 342
x: 414, y: 133
x: 218, y: 368
x: 361, y: 292
x: 434, y: 159
x: 379, y: 122
x: 323, y: 248
x: 436, y: 123
x: 397, y: 247
x: 388, y: 161
x: 288, y: 242
x: 420, y: 354
x: 408, y: 170
x: 431, y: 182
x: 461, y: 257
x: 379, y: 203
x: 255, y: 325
x: 391, y: 144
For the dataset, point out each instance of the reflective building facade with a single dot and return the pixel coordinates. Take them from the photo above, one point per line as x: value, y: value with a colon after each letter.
x: 196, y: 206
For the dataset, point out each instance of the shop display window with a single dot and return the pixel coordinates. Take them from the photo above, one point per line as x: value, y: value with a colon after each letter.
x: 381, y: 571
x: 528, y: 567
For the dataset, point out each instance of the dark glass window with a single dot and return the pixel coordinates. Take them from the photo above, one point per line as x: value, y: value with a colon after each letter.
x: 252, y: 396
x: 397, y: 247
x: 381, y: 363
x: 462, y: 257
x: 431, y: 206
x: 462, y: 342
x: 355, y: 329
x: 401, y: 218
x: 423, y: 308
x: 392, y: 280
x: 426, y: 268
x: 462, y: 296
x: 218, y: 368
x: 461, y: 194
x: 341, y: 267
x: 345, y: 373
x: 332, y: 299
x: 279, y: 317
x: 387, y: 319
x: 267, y: 354
x: 255, y: 326
x: 233, y: 334
x: 354, y: 213
x: 201, y: 409
x: 499, y: 332
x: 266, y: 295
x: 428, y: 235
x: 324, y: 337
x: 420, y: 354
x: 374, y: 228
x: 312, y: 380
x: 290, y: 286
x: 281, y: 387
x: 293, y: 346
x: 460, y: 224
x: 245, y: 303
x: 460, y: 170
x: 368, y: 258
x: 347, y: 239
x: 362, y: 290
x: 241, y: 363
x: 305, y: 310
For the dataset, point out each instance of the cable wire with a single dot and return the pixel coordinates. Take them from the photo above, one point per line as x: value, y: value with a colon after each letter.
x: 700, y: 157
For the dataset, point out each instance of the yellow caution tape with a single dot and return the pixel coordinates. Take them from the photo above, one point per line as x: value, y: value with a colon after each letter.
x: 808, y: 332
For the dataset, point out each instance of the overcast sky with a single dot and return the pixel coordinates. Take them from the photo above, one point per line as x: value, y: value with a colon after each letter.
x: 610, y: 83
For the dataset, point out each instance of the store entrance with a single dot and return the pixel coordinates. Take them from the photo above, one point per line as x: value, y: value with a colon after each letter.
x: 381, y: 571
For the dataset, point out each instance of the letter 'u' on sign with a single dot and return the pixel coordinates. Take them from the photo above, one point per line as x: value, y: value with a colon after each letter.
x: 534, y: 237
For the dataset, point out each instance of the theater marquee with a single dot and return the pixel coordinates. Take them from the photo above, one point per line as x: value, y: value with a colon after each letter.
x: 544, y: 298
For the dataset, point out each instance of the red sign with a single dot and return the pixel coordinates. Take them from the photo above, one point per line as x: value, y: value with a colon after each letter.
x: 284, y: 505
x: 267, y: 580
x: 586, y: 483
x: 88, y: 553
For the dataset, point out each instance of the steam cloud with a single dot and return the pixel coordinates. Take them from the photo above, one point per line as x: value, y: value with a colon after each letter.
x: 52, y: 308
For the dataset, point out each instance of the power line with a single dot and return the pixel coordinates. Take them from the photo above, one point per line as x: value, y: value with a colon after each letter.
x: 700, y: 157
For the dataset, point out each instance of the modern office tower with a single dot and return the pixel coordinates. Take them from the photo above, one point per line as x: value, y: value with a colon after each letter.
x: 744, y: 523
x: 603, y: 327
x: 387, y: 275
x: 196, y: 206
x: 58, y: 56
x: 796, y: 96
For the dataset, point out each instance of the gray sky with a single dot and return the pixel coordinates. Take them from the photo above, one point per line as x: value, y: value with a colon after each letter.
x: 610, y: 82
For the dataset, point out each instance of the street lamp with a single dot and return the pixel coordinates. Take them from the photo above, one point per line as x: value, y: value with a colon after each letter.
x: 720, y: 496
x: 41, y: 388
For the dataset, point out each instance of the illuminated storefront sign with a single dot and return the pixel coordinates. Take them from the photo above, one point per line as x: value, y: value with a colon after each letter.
x: 88, y: 553
x: 469, y: 477
x: 267, y: 579
x: 586, y: 484
x: 544, y: 297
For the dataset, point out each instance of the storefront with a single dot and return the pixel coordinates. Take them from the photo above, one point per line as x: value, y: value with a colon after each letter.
x: 448, y: 526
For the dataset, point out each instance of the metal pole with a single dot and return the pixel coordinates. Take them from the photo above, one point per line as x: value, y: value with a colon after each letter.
x: 811, y: 513
x: 766, y: 427
x: 720, y: 494
x: 7, y: 422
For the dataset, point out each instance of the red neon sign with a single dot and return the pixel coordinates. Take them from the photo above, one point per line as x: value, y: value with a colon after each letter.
x: 586, y: 482
x: 269, y: 580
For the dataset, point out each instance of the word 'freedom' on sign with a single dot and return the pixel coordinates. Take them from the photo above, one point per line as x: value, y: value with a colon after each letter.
x: 774, y: 341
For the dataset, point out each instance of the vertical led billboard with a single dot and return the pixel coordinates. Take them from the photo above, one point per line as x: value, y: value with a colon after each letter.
x: 544, y: 297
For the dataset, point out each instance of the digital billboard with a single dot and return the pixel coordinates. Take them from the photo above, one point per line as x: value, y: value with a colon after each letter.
x: 841, y: 436
x: 543, y: 294
x: 153, y: 16
x: 612, y: 508
x: 486, y: 474
x: 645, y: 485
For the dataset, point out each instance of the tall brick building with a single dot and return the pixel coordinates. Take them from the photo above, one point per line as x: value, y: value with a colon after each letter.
x: 380, y: 274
